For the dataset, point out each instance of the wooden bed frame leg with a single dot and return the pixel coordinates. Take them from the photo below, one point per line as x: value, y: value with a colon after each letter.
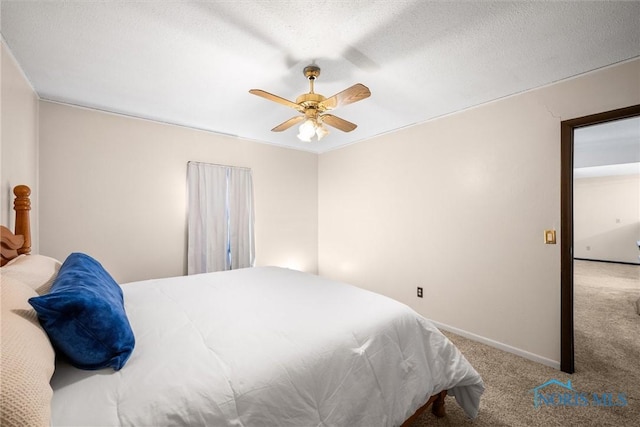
x: 438, y: 408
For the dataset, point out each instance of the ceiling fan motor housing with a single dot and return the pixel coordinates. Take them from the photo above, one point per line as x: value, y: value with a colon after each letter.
x: 311, y: 100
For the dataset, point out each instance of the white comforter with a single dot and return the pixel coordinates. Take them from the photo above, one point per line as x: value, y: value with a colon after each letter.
x: 266, y: 347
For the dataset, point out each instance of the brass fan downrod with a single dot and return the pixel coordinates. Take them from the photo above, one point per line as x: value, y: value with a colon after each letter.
x: 311, y: 100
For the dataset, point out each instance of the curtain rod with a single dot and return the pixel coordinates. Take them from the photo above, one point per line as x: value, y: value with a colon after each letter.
x: 217, y: 164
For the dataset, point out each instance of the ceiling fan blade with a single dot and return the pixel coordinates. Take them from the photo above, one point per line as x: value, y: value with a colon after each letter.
x: 276, y: 98
x: 338, y: 123
x: 286, y: 125
x: 355, y: 93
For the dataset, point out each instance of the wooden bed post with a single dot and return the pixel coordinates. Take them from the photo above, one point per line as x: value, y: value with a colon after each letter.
x: 22, y: 206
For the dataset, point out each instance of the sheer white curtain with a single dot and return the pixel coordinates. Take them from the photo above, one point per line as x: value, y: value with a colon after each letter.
x: 220, y: 218
x: 240, y: 213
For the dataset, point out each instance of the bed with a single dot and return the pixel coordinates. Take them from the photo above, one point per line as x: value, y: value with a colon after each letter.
x: 262, y: 346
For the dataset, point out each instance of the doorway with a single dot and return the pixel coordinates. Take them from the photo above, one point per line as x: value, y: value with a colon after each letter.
x: 567, y: 128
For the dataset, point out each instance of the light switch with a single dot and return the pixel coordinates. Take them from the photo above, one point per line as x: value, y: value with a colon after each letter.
x: 550, y: 237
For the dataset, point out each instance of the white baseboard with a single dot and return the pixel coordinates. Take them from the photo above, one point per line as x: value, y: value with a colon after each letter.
x: 519, y: 352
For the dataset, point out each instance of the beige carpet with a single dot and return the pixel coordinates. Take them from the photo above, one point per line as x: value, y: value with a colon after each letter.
x: 607, y: 359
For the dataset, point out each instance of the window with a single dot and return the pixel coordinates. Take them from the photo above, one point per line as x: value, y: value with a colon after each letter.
x: 220, y: 218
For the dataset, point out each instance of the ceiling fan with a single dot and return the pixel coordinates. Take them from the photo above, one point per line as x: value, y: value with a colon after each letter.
x: 314, y: 107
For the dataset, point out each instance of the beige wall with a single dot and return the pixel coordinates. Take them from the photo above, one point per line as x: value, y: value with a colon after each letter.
x: 455, y: 205
x: 115, y: 187
x: 458, y: 206
x: 606, y: 218
x: 19, y: 140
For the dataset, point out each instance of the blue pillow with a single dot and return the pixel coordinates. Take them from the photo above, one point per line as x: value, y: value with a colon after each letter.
x: 84, y: 315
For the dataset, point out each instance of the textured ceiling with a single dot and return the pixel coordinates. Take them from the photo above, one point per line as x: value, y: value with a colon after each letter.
x: 192, y: 63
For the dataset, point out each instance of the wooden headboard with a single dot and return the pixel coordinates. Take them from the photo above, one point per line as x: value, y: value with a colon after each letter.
x: 19, y: 242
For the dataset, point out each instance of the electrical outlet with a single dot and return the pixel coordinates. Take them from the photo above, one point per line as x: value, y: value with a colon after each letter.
x: 419, y: 292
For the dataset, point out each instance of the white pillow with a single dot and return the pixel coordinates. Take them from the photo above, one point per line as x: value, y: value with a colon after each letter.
x: 36, y: 271
x: 27, y: 360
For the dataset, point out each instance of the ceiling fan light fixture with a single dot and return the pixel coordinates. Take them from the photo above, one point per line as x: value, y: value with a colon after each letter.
x: 310, y: 128
x: 307, y: 130
x: 321, y: 131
